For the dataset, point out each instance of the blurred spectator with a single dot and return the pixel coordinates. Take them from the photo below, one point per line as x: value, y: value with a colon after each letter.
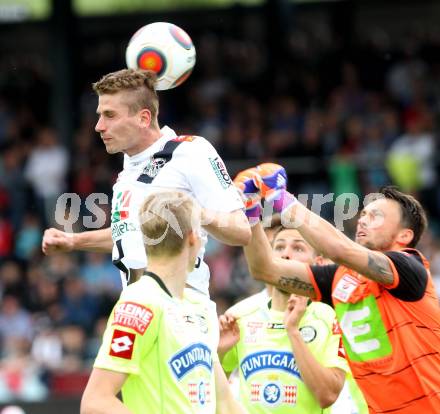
x: 77, y: 305
x: 15, y: 324
x: 47, y: 348
x: 28, y: 238
x: 60, y: 266
x: 46, y: 171
x: 12, y: 281
x: 20, y: 376
x: 412, y: 157
x: 13, y: 181
x: 73, y: 340
x: 6, y: 237
x: 100, y: 275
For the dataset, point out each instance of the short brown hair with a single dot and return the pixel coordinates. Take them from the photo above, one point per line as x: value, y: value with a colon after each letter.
x: 166, y: 219
x: 140, y: 84
x: 412, y: 214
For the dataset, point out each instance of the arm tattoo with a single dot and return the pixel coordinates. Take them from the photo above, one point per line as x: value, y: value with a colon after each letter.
x: 296, y: 285
x: 379, y: 269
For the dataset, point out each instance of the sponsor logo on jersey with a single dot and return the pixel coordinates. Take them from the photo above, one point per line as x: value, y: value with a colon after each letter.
x: 345, y: 288
x: 122, y: 344
x: 308, y: 333
x: 153, y: 166
x: 121, y: 206
x: 259, y: 361
x: 121, y: 228
x: 275, y: 325
x: 220, y: 171
x: 199, y: 393
x: 254, y: 326
x: 200, y: 320
x: 253, y: 332
x: 133, y: 315
x: 273, y: 393
x: 189, y: 358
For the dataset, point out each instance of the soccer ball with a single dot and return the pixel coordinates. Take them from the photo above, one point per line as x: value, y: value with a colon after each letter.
x: 165, y: 49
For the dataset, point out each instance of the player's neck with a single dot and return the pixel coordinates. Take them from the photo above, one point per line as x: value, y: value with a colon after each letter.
x: 145, y: 142
x: 172, y: 271
x: 279, y: 300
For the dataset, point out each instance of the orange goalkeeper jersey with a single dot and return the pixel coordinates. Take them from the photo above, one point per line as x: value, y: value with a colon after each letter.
x: 392, y: 345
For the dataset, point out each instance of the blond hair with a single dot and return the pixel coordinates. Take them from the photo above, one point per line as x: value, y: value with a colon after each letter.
x: 166, y: 219
x: 139, y: 88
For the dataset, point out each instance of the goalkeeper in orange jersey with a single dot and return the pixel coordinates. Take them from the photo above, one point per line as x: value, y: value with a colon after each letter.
x: 380, y: 287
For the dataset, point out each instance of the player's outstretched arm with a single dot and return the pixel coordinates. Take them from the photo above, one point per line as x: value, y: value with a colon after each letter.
x: 332, y: 243
x: 57, y: 241
x: 100, y: 394
x: 225, y: 402
x: 229, y: 228
x: 324, y: 382
x: 289, y: 275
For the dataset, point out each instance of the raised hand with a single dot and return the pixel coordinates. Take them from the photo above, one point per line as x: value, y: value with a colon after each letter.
x: 271, y: 179
x: 56, y: 241
x: 272, y: 183
x: 296, y: 307
x: 229, y: 333
x: 250, y: 193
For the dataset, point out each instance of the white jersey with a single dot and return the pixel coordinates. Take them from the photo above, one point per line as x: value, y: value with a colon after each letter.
x: 189, y: 164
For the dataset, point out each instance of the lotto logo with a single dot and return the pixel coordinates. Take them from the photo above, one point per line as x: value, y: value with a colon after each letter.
x: 122, y: 344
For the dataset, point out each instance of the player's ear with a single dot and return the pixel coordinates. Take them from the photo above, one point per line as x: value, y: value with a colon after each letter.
x: 319, y: 260
x: 145, y: 117
x: 404, y: 237
x: 192, y: 237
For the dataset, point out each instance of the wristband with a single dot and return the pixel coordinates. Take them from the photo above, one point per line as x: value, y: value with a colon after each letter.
x: 283, y: 201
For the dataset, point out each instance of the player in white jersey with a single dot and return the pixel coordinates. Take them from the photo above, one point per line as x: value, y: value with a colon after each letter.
x: 153, y: 158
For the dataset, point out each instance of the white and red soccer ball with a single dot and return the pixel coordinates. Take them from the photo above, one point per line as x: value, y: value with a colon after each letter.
x: 165, y: 49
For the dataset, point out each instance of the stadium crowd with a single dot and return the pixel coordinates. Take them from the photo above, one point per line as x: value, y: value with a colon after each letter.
x: 357, y: 118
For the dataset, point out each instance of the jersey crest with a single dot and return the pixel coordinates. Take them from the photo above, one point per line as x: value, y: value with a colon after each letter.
x: 158, y: 161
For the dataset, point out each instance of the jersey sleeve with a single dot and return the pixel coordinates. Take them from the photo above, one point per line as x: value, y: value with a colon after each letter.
x: 413, y: 276
x: 334, y: 353
x: 131, y: 332
x: 209, y: 179
x: 323, y: 276
x: 329, y: 349
x: 230, y: 360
